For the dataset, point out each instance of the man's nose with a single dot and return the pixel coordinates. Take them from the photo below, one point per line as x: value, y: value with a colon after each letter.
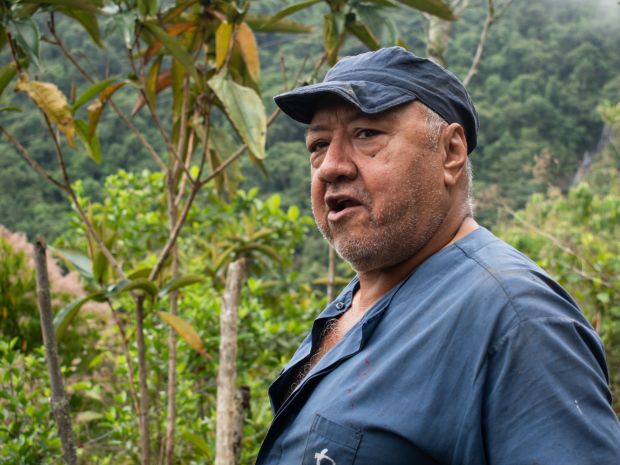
x: 338, y: 163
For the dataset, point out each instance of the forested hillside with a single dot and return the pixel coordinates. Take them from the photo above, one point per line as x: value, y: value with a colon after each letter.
x: 545, y: 69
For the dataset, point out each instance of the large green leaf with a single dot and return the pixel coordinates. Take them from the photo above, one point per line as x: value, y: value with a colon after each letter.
x: 438, y: 8
x: 174, y: 48
x: 364, y: 34
x: 75, y: 259
x: 91, y: 142
x: 88, y: 20
x: 178, y: 283
x: 91, y: 93
x: 198, y: 442
x: 64, y: 317
x: 185, y: 330
x: 221, y: 141
x: 265, y: 24
x: 245, y: 110
x: 127, y: 285
x: 289, y: 10
x: 28, y: 37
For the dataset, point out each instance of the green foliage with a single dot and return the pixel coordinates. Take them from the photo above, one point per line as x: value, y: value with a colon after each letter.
x: 275, y: 312
x: 18, y: 305
x: 27, y: 433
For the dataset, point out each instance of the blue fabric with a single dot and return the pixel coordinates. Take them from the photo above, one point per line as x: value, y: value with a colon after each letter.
x: 477, y: 357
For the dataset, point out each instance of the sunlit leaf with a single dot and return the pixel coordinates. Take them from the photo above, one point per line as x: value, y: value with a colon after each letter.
x: 179, y: 283
x: 245, y: 111
x: 53, y: 103
x: 66, y: 315
x: 223, y: 34
x: 438, y: 8
x: 185, y: 330
x: 174, y: 48
x: 292, y: 213
x: 249, y: 50
x: 265, y: 24
x: 86, y: 416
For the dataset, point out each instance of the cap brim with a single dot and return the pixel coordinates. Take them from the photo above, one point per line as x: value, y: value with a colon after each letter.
x: 369, y: 97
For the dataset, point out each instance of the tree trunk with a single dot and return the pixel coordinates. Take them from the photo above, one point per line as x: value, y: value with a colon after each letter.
x: 226, y: 389
x: 242, y: 403
x: 60, y: 406
x: 172, y: 337
x: 145, y: 456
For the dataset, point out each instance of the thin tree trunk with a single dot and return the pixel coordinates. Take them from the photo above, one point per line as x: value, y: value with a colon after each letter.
x: 226, y: 389
x: 242, y: 402
x: 172, y: 339
x: 60, y: 406
x: 145, y: 456
x: 331, y: 275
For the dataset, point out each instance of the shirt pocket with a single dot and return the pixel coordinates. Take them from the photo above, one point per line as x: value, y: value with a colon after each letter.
x: 330, y: 443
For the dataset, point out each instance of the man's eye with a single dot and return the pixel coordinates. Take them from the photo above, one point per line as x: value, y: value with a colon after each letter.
x: 316, y: 146
x: 367, y: 133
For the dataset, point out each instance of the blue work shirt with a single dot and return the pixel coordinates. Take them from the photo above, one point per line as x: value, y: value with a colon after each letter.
x: 477, y: 357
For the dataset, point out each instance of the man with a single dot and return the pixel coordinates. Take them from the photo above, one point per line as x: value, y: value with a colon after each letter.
x: 449, y: 346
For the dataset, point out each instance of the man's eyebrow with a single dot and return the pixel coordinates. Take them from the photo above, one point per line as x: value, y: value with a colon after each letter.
x: 348, y: 120
x: 317, y: 128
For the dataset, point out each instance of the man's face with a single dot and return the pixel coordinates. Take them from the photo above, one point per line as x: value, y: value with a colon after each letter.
x: 377, y: 185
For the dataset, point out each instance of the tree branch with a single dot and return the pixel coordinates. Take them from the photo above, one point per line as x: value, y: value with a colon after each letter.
x: 61, y: 161
x: 130, y: 370
x: 60, y: 405
x: 35, y: 165
x: 492, y: 16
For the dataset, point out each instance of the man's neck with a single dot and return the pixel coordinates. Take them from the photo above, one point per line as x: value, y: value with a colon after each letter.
x: 375, y: 283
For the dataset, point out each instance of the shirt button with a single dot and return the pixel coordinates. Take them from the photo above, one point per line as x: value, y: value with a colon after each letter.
x: 339, y: 305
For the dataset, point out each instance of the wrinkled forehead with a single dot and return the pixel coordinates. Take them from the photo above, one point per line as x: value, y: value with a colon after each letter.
x: 332, y: 110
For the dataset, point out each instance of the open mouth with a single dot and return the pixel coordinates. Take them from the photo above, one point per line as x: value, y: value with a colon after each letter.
x: 337, y: 205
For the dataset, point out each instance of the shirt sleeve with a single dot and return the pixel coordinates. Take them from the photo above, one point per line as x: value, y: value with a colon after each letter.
x: 547, y: 400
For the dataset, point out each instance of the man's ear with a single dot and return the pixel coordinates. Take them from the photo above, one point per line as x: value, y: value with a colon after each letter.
x: 455, y: 154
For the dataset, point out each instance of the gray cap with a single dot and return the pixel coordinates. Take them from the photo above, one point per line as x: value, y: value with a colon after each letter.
x: 380, y: 80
